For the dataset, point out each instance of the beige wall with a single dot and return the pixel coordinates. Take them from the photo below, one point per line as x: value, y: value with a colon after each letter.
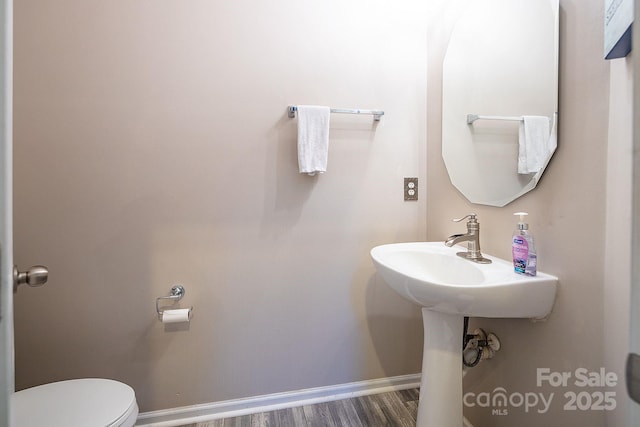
x: 152, y: 147
x: 568, y: 215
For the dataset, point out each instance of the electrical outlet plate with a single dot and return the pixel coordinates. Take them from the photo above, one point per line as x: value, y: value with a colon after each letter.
x: 411, y: 189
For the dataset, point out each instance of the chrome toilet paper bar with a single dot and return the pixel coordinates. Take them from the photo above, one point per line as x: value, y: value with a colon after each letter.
x: 177, y: 292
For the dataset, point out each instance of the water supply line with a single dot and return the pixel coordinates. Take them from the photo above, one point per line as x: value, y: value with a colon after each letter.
x: 477, y: 346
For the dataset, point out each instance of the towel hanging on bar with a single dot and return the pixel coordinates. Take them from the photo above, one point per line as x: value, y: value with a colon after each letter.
x: 313, y: 139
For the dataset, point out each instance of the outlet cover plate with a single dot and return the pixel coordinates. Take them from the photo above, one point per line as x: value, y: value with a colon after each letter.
x: 410, y: 189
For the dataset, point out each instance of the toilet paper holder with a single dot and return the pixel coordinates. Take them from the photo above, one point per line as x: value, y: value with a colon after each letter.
x: 177, y: 292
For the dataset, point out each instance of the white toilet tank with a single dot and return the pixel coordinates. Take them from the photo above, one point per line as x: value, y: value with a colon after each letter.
x: 87, y: 402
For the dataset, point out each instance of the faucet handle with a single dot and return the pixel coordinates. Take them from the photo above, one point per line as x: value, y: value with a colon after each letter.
x: 471, y: 216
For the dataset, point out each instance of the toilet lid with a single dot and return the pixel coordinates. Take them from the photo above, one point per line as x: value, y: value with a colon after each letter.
x: 87, y: 402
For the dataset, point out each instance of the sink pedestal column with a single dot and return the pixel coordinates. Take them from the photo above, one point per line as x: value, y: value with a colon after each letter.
x: 441, y: 385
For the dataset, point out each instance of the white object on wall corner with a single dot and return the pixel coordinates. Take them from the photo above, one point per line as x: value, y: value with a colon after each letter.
x: 618, y: 20
x: 271, y: 402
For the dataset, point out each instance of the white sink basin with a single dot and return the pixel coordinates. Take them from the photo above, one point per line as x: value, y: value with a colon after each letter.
x: 448, y: 288
x: 431, y: 275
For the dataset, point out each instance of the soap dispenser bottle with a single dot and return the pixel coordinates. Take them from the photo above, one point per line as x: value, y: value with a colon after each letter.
x: 523, y: 248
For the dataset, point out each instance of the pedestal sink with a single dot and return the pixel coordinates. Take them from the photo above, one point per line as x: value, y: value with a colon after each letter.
x: 449, y: 288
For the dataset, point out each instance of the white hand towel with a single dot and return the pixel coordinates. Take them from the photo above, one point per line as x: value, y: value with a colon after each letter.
x: 313, y: 138
x: 534, y: 143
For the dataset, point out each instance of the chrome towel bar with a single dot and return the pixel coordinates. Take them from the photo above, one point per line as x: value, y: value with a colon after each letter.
x: 473, y: 117
x: 377, y: 114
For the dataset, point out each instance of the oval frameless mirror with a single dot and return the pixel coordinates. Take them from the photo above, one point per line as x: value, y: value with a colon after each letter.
x: 500, y: 75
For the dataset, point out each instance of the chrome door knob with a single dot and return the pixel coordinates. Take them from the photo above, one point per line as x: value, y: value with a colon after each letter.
x: 34, y: 277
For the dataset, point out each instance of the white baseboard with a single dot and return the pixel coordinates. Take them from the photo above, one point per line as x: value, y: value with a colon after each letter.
x: 270, y: 402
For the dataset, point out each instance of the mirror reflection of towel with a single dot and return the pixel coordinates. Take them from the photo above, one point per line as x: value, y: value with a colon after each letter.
x: 534, y: 143
x: 313, y: 138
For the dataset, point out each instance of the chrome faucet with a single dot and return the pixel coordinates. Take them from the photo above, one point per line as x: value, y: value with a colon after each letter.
x: 472, y: 238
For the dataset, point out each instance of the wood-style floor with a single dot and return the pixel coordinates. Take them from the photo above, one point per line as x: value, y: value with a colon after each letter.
x: 393, y: 409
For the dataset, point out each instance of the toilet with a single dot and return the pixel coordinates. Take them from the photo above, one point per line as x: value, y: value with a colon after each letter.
x: 87, y: 402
